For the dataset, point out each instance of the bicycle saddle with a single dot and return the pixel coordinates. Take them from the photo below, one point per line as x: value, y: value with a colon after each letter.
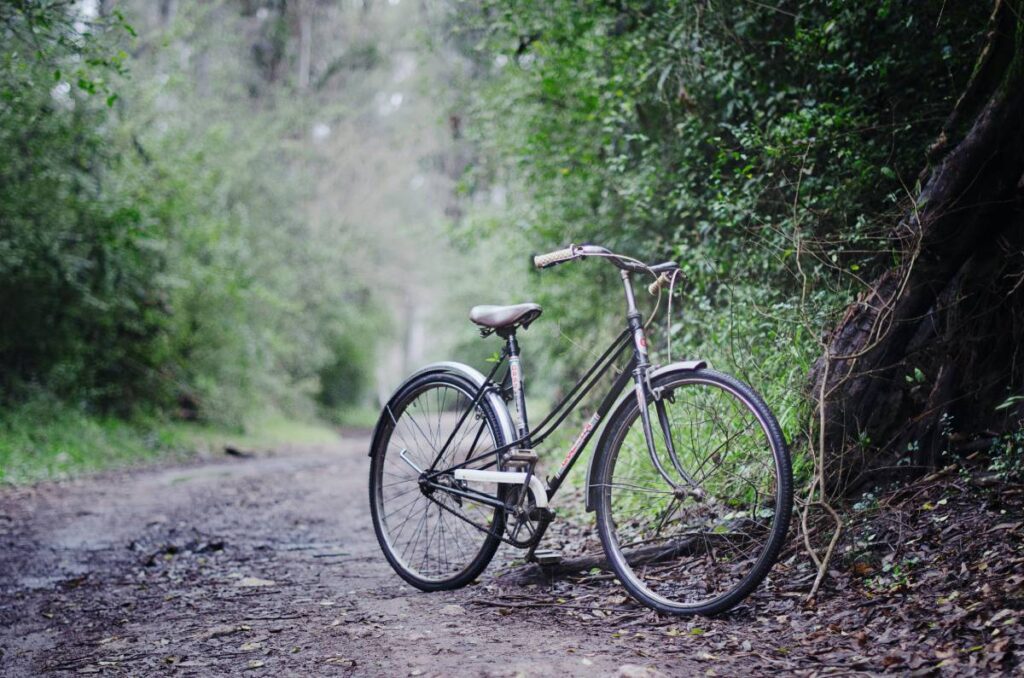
x: 502, y: 317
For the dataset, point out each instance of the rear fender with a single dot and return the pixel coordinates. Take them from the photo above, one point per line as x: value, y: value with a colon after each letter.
x: 626, y: 400
x: 473, y: 375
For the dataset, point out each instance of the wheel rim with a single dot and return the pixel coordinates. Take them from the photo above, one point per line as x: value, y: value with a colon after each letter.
x: 426, y: 531
x: 707, y: 541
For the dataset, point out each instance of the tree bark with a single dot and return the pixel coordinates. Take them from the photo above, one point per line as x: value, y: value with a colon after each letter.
x: 934, y: 346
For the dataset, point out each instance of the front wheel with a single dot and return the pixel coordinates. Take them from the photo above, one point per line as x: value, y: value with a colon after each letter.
x: 695, y: 530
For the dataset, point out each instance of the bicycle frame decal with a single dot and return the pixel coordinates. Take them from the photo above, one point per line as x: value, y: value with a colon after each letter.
x: 640, y: 340
x: 577, y: 445
x: 517, y: 391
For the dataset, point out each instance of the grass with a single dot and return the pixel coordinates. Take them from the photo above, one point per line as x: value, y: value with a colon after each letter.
x: 276, y: 430
x: 363, y: 416
x: 49, y: 441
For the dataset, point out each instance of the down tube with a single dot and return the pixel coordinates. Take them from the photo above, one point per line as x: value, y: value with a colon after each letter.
x: 591, y: 427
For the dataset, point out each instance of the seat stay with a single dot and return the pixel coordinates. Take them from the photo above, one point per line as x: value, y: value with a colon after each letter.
x: 433, y: 473
x: 481, y: 391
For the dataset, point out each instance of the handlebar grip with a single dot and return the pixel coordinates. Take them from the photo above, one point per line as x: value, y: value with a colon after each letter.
x: 656, y: 286
x: 556, y: 257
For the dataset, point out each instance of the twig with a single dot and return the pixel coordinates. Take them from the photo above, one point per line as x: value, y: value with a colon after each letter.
x: 828, y: 553
x: 563, y: 606
x: 275, y: 618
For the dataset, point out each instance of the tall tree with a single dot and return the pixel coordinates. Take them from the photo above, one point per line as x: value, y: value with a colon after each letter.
x: 932, y: 350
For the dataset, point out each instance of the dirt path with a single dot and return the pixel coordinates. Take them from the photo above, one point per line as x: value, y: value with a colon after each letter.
x: 267, y: 565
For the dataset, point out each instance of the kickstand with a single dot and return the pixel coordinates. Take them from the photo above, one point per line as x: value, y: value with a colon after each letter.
x: 535, y: 556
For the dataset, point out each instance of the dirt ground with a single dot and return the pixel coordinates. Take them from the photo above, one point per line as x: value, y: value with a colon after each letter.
x: 268, y: 565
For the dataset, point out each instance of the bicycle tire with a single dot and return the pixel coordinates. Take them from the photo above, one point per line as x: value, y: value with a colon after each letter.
x: 421, y: 441
x: 703, y: 550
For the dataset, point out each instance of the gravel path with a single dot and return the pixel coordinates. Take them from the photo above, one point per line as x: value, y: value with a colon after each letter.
x: 266, y: 565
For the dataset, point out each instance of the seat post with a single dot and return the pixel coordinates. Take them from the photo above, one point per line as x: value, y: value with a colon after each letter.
x: 518, y: 395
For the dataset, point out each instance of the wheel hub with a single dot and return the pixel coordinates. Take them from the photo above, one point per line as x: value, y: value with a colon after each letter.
x: 425, y: 487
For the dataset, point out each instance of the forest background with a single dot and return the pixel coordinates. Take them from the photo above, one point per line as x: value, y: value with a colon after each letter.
x: 215, y: 215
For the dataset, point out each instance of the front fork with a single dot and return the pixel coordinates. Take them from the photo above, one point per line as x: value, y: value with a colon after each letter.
x: 690, y: 487
x: 645, y: 392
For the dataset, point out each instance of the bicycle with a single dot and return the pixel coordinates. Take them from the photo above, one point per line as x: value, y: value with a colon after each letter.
x: 691, y: 519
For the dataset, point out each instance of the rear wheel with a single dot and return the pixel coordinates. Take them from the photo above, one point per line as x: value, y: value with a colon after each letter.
x: 697, y: 536
x: 434, y: 539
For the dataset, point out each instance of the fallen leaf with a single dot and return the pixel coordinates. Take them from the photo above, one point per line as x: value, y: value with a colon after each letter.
x: 862, y: 569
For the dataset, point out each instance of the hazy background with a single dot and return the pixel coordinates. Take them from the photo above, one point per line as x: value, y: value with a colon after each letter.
x: 222, y: 212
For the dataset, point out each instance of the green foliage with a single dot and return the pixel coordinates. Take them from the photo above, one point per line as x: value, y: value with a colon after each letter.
x: 1007, y: 457
x: 768, y: 147
x: 157, y: 266
x: 75, y: 263
x: 343, y: 379
x: 45, y: 439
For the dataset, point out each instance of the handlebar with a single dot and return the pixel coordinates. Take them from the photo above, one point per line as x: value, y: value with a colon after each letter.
x: 556, y: 257
x: 625, y: 263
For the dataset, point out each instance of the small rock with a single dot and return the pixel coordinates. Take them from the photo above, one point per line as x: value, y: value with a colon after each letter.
x: 452, y: 610
x: 255, y: 581
x: 223, y: 630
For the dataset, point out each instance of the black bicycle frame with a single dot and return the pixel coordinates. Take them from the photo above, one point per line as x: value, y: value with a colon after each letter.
x: 635, y: 369
x: 549, y: 424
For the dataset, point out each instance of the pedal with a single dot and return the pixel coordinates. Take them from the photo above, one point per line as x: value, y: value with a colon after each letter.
x: 521, y: 456
x: 547, y: 557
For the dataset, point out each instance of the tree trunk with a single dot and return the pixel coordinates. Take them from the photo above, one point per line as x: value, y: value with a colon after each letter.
x: 933, y: 348
x: 305, y: 43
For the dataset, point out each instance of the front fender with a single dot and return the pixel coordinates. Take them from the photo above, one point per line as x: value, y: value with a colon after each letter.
x: 621, y: 404
x: 470, y: 373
